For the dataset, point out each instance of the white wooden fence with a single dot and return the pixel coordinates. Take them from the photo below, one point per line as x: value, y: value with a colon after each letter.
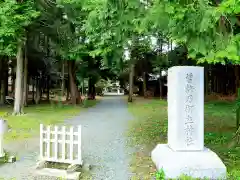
x: 59, y: 145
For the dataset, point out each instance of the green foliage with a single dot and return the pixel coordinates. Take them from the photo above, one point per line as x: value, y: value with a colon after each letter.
x: 204, y: 28
x: 15, y: 17
x: 101, y: 83
x: 160, y: 175
x: 207, y: 30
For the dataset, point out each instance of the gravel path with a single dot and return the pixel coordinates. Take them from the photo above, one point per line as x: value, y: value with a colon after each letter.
x: 104, y: 143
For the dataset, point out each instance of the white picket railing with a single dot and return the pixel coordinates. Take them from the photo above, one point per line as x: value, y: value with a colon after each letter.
x: 63, y: 149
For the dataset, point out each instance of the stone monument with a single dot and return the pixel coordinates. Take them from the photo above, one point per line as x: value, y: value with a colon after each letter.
x: 3, y: 129
x: 185, y: 153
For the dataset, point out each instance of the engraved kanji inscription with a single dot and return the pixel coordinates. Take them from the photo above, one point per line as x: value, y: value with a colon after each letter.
x: 189, y: 108
x: 189, y: 99
x: 189, y: 129
x: 189, y: 141
x: 189, y: 88
x: 189, y: 77
x: 188, y: 120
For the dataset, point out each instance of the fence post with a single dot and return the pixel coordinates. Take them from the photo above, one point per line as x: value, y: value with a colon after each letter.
x: 63, y: 142
x: 48, y: 141
x: 56, y: 143
x: 41, y: 141
x: 79, y: 155
x: 71, y: 143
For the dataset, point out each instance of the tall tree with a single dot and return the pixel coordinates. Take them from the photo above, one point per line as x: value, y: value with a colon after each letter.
x: 15, y: 16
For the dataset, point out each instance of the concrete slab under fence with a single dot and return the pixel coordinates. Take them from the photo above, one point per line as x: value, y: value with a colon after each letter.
x: 49, y: 173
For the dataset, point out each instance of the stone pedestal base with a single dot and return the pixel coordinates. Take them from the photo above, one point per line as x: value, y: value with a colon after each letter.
x: 198, y: 164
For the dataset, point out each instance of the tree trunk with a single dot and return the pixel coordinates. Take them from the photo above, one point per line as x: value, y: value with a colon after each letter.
x: 48, y: 89
x: 40, y: 91
x: 2, y: 83
x: 68, y: 93
x: 13, y: 83
x: 238, y: 109
x: 160, y: 53
x: 206, y: 79
x: 83, y: 87
x: 25, y: 81
x: 37, y: 97
x: 1, y: 75
x: 6, y: 81
x: 19, y: 78
x: 131, y: 76
x: 63, y: 80
x: 236, y: 72
x: 160, y: 84
x: 3, y: 97
x: 33, y: 90
x: 72, y: 83
x: 79, y: 99
x: 144, y: 85
x: 91, y: 89
x: 210, y: 79
x: 72, y: 80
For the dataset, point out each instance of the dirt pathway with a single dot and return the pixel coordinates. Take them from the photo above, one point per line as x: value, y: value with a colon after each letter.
x: 104, y: 143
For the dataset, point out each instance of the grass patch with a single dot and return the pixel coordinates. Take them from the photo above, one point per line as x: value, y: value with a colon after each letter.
x: 90, y: 103
x: 27, y: 125
x: 150, y: 128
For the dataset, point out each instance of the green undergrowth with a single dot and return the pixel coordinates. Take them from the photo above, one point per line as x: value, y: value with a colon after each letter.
x: 27, y: 125
x: 149, y: 128
x: 4, y: 159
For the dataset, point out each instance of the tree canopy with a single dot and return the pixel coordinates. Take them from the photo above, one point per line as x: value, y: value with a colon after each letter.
x: 90, y: 37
